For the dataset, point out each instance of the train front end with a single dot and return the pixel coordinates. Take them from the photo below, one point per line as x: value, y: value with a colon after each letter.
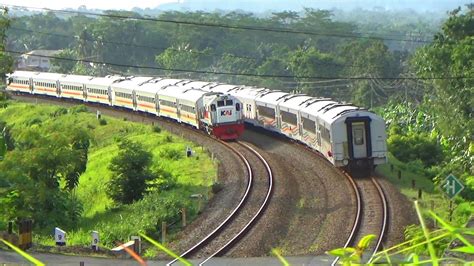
x: 223, y: 116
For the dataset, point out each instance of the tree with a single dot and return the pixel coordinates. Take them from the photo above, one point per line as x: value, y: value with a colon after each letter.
x: 6, y: 61
x: 449, y: 61
x: 39, y: 174
x: 130, y: 172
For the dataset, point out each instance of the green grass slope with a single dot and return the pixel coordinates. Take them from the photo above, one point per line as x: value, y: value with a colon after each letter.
x: 194, y: 174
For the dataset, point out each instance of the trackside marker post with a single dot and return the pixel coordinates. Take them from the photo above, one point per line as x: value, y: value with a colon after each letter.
x: 59, y: 236
x: 451, y: 186
x: 95, y: 240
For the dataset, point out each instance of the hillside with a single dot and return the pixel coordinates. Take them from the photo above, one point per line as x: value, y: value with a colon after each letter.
x: 115, y: 222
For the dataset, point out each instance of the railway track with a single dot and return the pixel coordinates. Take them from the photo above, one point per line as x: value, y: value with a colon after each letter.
x: 371, y: 215
x: 250, y: 207
x: 246, y: 213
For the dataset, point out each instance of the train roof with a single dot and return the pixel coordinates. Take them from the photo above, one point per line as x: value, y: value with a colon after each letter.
x: 130, y: 82
x: 182, y: 93
x: 220, y: 87
x: 103, y: 81
x: 295, y: 101
x: 22, y: 74
x: 248, y: 92
x: 46, y: 76
x: 158, y: 83
x: 75, y: 78
x: 197, y: 85
x: 271, y: 97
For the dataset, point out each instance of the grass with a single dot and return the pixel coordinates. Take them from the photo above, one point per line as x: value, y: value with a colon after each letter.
x: 432, y: 196
x: 194, y: 174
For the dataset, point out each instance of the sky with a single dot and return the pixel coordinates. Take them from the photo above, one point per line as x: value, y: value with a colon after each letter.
x: 250, y: 5
x: 98, y: 4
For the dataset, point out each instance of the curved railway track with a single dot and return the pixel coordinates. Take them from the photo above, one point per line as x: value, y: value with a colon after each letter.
x: 371, y: 214
x: 250, y: 207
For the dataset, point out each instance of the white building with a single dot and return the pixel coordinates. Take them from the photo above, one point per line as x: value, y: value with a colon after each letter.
x: 36, y: 60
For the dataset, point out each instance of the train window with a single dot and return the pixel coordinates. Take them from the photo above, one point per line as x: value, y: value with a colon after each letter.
x: 220, y: 103
x: 229, y: 102
x: 213, y: 107
x: 325, y: 133
x: 309, y: 125
x: 288, y: 117
x: 358, y: 136
x: 266, y: 111
x: 237, y: 107
x: 187, y: 108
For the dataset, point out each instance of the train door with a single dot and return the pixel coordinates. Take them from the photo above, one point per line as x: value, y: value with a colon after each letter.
x: 359, y: 140
x: 32, y: 86
x: 84, y: 92
x: 134, y: 100
x: 109, y: 93
x: 157, y: 103
x: 58, y: 88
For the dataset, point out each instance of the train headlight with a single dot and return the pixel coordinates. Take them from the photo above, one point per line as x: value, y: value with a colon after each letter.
x: 345, y: 161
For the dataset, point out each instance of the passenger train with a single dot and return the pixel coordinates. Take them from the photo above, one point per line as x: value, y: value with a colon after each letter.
x: 347, y: 136
x: 215, y: 112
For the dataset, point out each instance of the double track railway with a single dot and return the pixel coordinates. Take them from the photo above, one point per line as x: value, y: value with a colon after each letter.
x: 250, y: 207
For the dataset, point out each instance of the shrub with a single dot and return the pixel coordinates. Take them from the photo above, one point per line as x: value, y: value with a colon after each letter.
x: 169, y: 139
x: 79, y: 109
x: 415, y: 146
x: 171, y: 154
x: 156, y: 129
x: 102, y: 122
x: 216, y: 187
x: 130, y: 172
x: 59, y: 112
x: 33, y: 121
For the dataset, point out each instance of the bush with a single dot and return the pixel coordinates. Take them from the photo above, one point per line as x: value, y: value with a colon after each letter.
x: 415, y: 146
x: 33, y: 121
x: 171, y: 154
x: 130, y: 172
x: 156, y: 129
x: 59, y: 112
x: 216, y: 187
x: 102, y: 122
x: 79, y: 109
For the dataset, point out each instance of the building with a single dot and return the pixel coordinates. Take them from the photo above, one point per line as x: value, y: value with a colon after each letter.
x: 36, y: 60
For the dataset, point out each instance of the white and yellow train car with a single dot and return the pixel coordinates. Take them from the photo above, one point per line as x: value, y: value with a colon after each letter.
x: 289, y: 114
x: 20, y: 81
x: 46, y: 83
x: 98, y: 89
x: 72, y: 86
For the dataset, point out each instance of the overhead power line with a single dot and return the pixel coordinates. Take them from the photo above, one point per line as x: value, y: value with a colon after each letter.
x: 240, y: 74
x: 235, y: 27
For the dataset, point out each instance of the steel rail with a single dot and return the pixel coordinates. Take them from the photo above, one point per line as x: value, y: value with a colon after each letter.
x: 384, y: 219
x: 211, y: 235
x: 258, y: 214
x: 356, y: 224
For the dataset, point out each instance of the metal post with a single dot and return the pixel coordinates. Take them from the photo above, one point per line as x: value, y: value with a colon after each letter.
x: 163, y: 232
x: 450, y: 210
x: 183, y: 213
x: 10, y: 227
x: 419, y: 193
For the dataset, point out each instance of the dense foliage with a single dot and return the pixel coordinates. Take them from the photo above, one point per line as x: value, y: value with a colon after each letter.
x: 39, y: 174
x: 316, y: 63
x: 130, y: 170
